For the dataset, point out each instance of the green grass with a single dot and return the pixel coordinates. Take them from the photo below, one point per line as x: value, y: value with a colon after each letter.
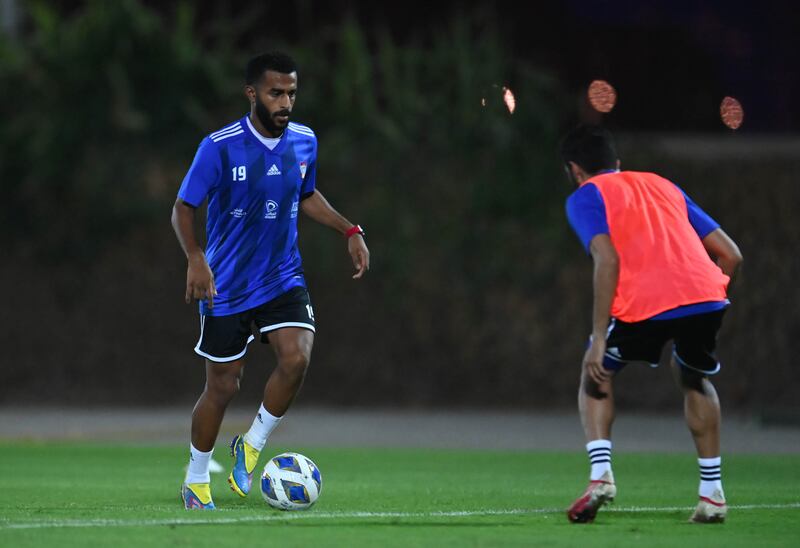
x: 127, y: 495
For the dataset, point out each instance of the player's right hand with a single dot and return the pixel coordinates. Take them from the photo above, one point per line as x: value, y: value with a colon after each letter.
x: 593, y: 361
x: 359, y: 253
x: 200, y: 281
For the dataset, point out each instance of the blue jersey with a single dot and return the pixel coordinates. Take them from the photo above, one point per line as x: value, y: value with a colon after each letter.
x: 254, y: 195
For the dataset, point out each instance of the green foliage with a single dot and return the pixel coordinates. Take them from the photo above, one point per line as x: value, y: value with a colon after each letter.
x: 415, y: 134
x: 109, y: 102
x: 102, y: 102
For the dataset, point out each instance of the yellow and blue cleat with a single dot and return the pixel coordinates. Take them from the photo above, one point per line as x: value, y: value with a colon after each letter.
x: 197, y: 496
x: 245, y: 459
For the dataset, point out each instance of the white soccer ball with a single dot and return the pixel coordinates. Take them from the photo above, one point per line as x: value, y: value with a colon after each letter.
x: 291, y: 481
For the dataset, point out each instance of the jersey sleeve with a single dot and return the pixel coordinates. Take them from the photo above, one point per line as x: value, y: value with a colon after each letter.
x: 204, y: 174
x: 310, y: 180
x: 586, y: 212
x: 701, y: 221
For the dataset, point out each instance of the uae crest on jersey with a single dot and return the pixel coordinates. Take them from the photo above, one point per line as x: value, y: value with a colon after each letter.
x: 303, y: 167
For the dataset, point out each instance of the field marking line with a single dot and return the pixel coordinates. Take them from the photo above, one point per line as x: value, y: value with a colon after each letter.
x: 294, y: 516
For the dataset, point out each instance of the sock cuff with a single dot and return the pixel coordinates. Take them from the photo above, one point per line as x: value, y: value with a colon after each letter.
x: 263, y: 425
x: 598, y: 444
x: 266, y: 414
x: 715, y: 461
x: 197, y: 452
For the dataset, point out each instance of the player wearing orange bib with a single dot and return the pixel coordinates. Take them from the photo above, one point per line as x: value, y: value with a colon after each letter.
x: 661, y: 272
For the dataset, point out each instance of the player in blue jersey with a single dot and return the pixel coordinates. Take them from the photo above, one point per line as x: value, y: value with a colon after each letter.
x: 257, y: 174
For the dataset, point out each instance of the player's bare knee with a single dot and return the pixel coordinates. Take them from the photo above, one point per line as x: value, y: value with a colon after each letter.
x: 224, y: 392
x: 294, y: 362
x: 691, y: 380
x: 224, y: 387
x: 593, y: 389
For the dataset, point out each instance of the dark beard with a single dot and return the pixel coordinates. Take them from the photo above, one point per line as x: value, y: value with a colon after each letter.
x: 267, y: 121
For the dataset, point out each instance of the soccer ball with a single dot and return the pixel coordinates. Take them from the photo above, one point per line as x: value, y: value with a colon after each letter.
x: 291, y: 481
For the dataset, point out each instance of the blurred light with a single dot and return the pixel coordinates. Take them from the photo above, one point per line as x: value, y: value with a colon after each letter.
x: 602, y: 96
x: 510, y: 101
x: 731, y: 112
x: 483, y: 101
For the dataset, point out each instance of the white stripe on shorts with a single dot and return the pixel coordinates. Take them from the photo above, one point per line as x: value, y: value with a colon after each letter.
x: 250, y: 339
x: 273, y: 327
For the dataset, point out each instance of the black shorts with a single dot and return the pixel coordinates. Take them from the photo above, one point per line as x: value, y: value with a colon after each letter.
x: 225, y: 338
x: 694, y: 337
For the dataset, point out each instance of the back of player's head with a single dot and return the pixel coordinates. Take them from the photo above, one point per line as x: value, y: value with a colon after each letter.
x: 591, y: 147
x: 273, y: 60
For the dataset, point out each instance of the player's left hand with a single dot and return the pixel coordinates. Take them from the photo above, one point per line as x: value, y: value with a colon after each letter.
x: 593, y: 361
x: 359, y: 253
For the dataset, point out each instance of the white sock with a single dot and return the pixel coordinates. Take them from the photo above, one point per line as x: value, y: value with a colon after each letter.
x: 710, y: 476
x: 262, y: 427
x: 600, y: 458
x: 198, y: 466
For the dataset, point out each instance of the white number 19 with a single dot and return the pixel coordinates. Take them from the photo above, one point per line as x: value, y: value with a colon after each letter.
x: 239, y: 173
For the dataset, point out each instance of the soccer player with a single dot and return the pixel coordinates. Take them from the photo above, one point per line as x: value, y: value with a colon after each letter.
x: 661, y: 271
x: 257, y: 173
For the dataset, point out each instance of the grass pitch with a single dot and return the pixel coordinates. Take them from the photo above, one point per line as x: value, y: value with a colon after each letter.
x: 71, y: 494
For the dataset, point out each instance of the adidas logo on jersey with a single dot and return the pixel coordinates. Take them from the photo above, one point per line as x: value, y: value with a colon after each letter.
x: 273, y: 170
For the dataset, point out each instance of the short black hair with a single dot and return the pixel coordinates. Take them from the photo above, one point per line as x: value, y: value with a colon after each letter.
x: 591, y: 147
x: 272, y: 60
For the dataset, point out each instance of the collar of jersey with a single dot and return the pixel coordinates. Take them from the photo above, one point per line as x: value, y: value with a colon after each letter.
x: 278, y: 148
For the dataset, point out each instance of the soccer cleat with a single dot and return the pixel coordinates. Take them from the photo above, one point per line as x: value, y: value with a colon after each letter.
x: 245, y: 458
x: 197, y: 496
x: 596, y: 495
x: 710, y: 509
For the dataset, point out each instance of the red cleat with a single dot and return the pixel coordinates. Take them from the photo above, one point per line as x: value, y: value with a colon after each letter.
x: 596, y: 495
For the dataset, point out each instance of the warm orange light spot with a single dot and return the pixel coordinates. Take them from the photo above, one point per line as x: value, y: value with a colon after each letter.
x: 731, y: 112
x: 602, y: 96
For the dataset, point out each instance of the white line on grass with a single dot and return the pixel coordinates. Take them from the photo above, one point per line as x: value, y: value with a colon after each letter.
x: 351, y: 515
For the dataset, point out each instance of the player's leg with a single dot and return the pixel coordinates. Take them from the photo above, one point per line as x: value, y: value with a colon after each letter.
x: 596, y: 406
x: 292, y: 347
x: 222, y: 385
x: 286, y: 323
x: 625, y: 342
x: 223, y: 342
x: 701, y: 409
x: 692, y: 362
x: 703, y: 416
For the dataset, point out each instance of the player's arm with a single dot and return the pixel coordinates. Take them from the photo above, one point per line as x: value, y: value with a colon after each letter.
x: 586, y: 212
x: 720, y: 246
x: 199, y: 278
x: 319, y: 209
x: 606, y: 274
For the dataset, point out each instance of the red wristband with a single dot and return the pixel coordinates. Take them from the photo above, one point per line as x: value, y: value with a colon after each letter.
x: 355, y: 229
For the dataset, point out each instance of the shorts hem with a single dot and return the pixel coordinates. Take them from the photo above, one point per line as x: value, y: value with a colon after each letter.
x: 613, y: 363
x: 273, y: 327
x: 217, y: 359
x: 687, y: 366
